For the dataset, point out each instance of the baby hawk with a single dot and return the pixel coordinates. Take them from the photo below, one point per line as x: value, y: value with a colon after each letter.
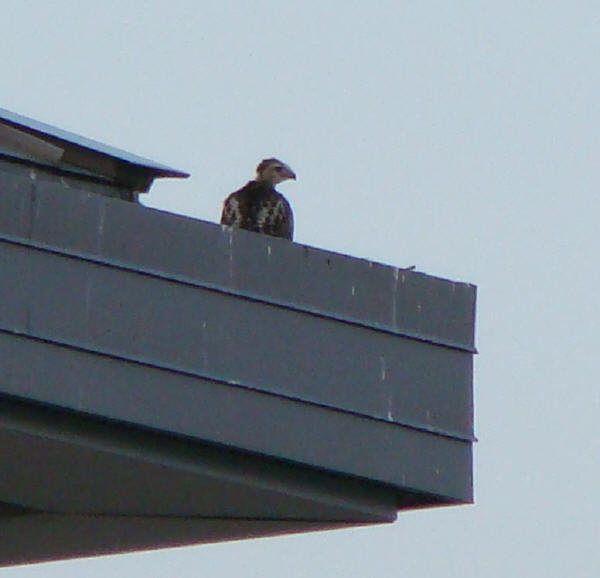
x: 258, y: 207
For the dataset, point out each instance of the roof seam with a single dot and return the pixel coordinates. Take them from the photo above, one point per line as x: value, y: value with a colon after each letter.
x: 216, y: 379
x: 186, y: 280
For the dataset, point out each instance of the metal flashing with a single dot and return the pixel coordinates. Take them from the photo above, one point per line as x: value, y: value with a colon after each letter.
x: 28, y: 139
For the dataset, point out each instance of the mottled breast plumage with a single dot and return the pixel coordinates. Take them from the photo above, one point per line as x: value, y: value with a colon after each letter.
x: 260, y: 208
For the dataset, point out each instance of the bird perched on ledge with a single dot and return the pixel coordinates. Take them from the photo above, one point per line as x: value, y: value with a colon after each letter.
x: 258, y: 207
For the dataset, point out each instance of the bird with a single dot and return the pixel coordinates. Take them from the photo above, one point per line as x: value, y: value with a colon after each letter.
x: 258, y: 207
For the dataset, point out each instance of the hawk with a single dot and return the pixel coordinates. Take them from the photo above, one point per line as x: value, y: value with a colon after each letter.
x: 258, y: 207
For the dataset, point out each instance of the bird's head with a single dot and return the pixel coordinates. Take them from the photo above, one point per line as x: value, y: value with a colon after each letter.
x: 273, y: 171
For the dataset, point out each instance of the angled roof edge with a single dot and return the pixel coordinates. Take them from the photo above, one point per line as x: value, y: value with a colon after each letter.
x: 55, y: 133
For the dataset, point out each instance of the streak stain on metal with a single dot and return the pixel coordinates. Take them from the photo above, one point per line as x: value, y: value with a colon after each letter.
x: 383, y: 372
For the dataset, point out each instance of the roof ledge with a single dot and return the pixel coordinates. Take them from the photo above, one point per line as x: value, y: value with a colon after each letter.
x: 30, y: 140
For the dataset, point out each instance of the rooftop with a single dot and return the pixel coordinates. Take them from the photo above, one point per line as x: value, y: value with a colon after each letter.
x: 27, y: 139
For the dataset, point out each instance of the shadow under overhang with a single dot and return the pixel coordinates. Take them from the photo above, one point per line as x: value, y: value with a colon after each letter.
x: 79, y: 486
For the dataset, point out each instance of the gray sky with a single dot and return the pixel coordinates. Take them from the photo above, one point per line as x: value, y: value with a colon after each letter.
x: 461, y: 137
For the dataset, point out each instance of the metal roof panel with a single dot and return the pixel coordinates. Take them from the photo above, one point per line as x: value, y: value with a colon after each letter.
x: 41, y: 128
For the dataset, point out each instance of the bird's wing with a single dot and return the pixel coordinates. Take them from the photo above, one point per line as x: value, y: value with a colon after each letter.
x: 231, y: 214
x: 237, y: 208
x: 287, y: 220
x: 278, y: 219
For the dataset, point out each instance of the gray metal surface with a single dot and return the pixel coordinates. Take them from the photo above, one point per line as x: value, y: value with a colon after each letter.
x: 95, y: 468
x: 76, y: 486
x: 333, y: 285
x: 283, y: 381
x: 41, y: 537
x: 202, y: 324
x: 57, y: 134
x: 20, y: 177
x: 238, y: 342
x: 238, y: 417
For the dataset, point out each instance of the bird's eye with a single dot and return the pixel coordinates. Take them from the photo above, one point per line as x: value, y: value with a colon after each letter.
x: 278, y: 169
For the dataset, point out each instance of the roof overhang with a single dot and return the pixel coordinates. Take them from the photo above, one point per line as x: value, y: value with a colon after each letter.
x: 35, y: 141
x: 79, y: 486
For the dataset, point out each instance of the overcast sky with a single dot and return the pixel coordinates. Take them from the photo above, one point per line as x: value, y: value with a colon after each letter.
x: 461, y: 137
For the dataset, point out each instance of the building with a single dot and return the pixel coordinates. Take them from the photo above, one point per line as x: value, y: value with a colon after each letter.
x: 166, y: 381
